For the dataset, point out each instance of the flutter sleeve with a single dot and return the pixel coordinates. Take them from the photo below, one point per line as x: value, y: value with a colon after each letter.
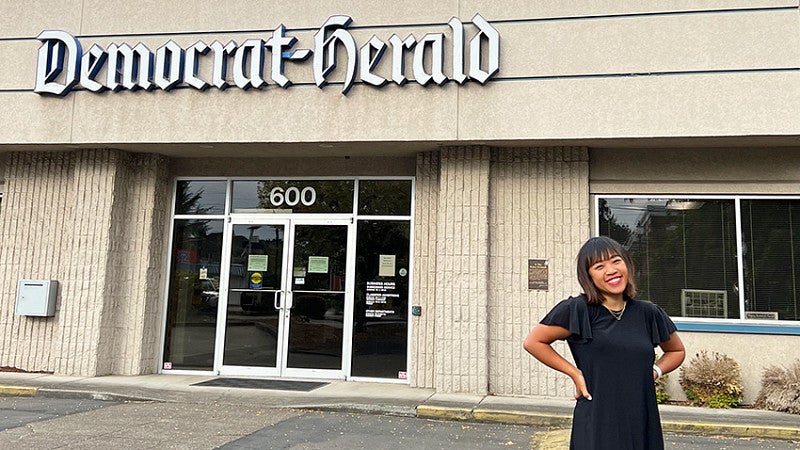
x: 573, y: 315
x: 661, y: 326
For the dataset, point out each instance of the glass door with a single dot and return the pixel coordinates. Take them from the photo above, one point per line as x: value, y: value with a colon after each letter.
x: 287, y: 298
x: 318, y: 299
x: 256, y: 298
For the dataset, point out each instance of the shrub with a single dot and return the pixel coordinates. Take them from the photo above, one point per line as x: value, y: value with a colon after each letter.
x: 780, y: 389
x: 661, y: 389
x: 714, y: 381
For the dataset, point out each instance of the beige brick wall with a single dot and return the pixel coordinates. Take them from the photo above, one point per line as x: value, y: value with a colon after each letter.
x: 141, y: 214
x: 426, y: 206
x: 461, y: 361
x: 33, y: 226
x: 481, y: 213
x: 449, y: 347
x: 539, y: 210
x: 93, y: 220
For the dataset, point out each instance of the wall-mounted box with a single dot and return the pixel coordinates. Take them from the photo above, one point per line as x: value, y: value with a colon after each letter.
x: 36, y: 297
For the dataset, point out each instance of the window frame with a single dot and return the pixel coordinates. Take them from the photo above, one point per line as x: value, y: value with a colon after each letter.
x: 353, y: 215
x: 701, y: 324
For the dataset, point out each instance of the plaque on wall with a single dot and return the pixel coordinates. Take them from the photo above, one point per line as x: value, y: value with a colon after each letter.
x: 537, y: 274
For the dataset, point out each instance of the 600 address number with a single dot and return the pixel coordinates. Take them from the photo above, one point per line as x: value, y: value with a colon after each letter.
x: 292, y: 196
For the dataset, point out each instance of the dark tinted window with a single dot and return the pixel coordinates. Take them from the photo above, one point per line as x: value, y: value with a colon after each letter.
x: 193, y: 294
x: 384, y: 197
x: 771, y: 247
x: 380, y: 314
x: 200, y: 197
x: 683, y: 250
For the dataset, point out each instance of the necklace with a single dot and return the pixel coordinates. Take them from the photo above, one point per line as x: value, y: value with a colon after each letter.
x: 617, y: 314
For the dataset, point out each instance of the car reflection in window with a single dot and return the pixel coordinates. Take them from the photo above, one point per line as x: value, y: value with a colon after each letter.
x: 209, y: 293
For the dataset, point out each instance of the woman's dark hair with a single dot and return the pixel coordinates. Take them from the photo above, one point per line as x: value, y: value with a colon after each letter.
x: 599, y: 249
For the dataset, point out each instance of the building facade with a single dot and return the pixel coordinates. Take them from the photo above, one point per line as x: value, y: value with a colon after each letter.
x: 391, y: 192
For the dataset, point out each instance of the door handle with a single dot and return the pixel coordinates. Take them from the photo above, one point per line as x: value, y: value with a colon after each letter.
x: 276, y: 300
x: 289, y: 303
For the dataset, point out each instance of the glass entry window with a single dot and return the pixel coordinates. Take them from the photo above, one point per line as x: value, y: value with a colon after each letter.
x: 380, y: 328
x: 297, y: 278
x: 286, y: 298
x: 194, y: 278
x: 255, y: 294
x: 319, y: 265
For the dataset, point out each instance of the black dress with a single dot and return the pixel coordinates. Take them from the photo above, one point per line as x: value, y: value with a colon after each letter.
x: 616, y: 358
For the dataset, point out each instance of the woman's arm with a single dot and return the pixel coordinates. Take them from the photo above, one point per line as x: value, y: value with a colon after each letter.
x: 674, y: 354
x: 538, y: 343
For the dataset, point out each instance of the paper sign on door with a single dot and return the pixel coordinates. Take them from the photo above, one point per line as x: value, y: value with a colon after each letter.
x: 257, y: 263
x: 317, y: 264
x: 386, y: 265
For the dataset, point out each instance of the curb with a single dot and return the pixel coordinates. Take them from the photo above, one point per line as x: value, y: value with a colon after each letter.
x: 18, y: 391
x: 730, y: 429
x: 399, y: 411
x: 444, y: 413
x: 29, y: 391
x: 92, y: 395
x: 564, y: 421
x: 492, y: 415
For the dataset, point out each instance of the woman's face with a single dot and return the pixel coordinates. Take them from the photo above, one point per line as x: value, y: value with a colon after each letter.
x: 610, y: 276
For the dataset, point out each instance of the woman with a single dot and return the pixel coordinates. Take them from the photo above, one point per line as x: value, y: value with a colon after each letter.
x: 611, y: 336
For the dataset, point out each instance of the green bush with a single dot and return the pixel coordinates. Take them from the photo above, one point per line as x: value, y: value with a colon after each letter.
x: 661, y: 389
x: 714, y: 381
x: 780, y: 389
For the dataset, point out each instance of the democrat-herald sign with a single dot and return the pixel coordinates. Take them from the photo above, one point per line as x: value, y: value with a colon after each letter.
x: 63, y: 65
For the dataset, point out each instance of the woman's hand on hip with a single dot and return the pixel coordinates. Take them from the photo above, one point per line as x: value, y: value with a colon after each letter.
x: 580, y: 387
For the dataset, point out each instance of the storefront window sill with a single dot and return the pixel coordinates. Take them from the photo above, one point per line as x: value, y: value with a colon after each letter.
x: 739, y: 328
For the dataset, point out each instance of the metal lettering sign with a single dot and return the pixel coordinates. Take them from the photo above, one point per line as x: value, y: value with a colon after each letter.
x: 63, y: 65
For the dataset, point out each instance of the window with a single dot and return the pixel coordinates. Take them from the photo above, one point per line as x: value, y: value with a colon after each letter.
x: 380, y: 319
x: 194, y: 275
x: 293, y: 196
x: 383, y: 258
x: 384, y: 197
x: 200, y: 197
x: 707, y: 258
x: 370, y: 217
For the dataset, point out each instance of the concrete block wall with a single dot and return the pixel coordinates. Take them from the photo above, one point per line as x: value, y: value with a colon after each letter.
x: 461, y: 361
x: 539, y: 210
x: 70, y: 216
x: 33, y: 222
x: 423, y: 327
x: 449, y: 345
x: 84, y: 291
x: 481, y: 213
x: 141, y: 214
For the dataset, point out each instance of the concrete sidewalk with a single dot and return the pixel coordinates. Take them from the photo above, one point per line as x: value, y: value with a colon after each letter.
x: 388, y: 398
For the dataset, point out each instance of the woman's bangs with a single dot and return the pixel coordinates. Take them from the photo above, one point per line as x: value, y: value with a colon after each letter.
x: 600, y: 251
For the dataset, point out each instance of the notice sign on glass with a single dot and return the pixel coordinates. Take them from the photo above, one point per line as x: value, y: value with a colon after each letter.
x: 317, y: 264
x: 257, y: 263
x: 537, y: 274
x: 386, y: 265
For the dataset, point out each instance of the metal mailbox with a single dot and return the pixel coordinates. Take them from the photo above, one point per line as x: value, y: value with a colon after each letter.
x: 36, y: 297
